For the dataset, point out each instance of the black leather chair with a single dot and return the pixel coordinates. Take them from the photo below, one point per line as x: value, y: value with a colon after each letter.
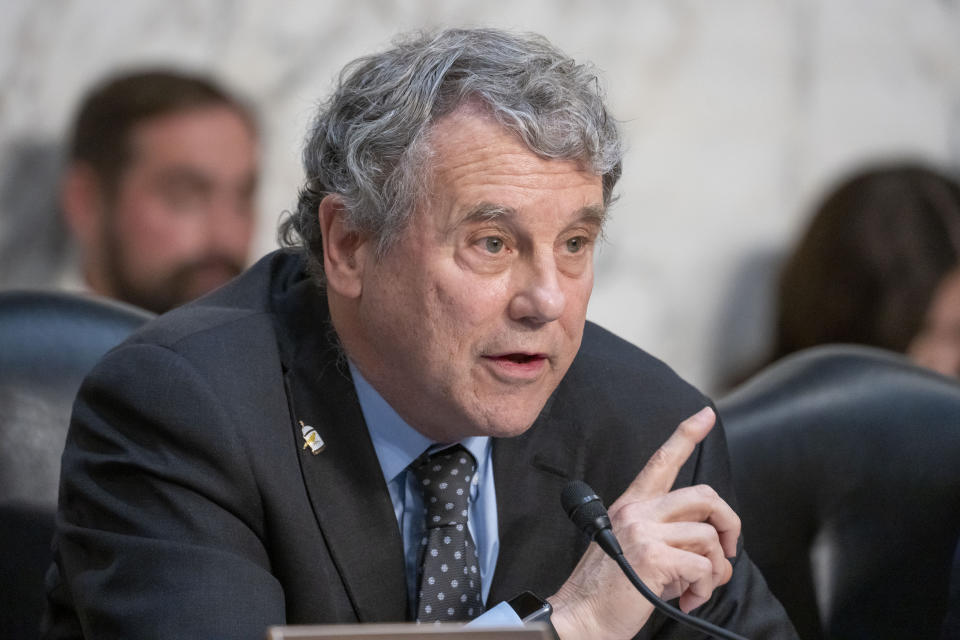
x: 48, y: 342
x: 846, y: 462
x: 951, y: 622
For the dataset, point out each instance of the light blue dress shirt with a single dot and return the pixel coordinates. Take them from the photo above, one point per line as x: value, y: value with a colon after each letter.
x: 397, y: 445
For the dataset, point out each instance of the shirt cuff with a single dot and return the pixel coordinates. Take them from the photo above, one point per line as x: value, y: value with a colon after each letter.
x: 501, y: 615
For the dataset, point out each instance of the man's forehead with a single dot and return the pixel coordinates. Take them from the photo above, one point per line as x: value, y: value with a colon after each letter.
x: 191, y: 125
x: 210, y: 141
x: 468, y: 146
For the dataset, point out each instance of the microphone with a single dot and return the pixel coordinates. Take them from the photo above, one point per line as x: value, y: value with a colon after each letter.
x: 584, y: 507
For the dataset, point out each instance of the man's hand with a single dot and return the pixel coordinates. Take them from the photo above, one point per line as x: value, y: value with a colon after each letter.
x: 677, y: 541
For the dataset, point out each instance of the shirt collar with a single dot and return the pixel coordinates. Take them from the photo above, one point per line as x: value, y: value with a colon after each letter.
x: 397, y: 443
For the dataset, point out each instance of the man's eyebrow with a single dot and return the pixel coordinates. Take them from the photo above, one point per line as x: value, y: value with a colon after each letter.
x: 486, y: 212
x: 595, y: 213
x: 483, y: 212
x: 181, y: 175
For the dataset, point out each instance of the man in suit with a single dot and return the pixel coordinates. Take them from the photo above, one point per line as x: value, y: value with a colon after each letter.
x: 391, y: 445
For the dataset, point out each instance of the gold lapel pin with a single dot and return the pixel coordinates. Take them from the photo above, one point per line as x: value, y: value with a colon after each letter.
x: 311, y: 438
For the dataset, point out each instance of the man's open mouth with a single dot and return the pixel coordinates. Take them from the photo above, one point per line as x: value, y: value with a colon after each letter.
x: 520, y: 358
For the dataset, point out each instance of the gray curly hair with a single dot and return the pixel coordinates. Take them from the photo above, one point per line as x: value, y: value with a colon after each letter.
x: 369, y: 141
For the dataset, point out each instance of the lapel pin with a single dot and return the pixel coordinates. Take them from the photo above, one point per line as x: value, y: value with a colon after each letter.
x: 311, y: 438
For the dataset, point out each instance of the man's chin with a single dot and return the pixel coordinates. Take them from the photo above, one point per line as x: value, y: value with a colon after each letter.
x: 206, y: 280
x: 200, y: 284
x: 504, y: 431
x: 501, y: 422
x: 164, y: 294
x: 508, y: 411
x: 509, y: 423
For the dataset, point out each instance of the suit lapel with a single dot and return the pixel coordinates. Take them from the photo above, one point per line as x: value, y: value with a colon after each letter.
x: 538, y: 544
x: 344, y: 481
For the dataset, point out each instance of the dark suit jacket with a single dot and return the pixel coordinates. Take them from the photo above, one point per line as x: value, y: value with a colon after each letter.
x: 189, y: 507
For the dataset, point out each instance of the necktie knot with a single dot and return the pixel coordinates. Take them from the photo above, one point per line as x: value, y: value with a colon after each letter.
x: 445, y: 478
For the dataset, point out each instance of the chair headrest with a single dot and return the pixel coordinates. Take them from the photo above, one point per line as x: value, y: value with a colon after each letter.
x: 48, y: 343
x: 54, y: 338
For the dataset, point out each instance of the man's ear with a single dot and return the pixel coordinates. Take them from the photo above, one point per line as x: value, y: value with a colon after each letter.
x: 344, y: 249
x: 82, y: 201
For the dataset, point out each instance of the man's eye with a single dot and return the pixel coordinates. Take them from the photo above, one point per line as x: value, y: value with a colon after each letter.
x: 493, y: 244
x: 183, y: 196
x: 574, y: 245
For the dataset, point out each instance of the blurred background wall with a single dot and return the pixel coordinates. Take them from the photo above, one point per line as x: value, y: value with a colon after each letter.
x: 737, y: 114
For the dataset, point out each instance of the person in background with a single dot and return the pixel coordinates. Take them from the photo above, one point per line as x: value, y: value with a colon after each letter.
x: 159, y: 188
x: 937, y: 346
x: 878, y: 266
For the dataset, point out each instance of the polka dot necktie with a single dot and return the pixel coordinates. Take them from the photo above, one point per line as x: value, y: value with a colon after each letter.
x: 449, y: 580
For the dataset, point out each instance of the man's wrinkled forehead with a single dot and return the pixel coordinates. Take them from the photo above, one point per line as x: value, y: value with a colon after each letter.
x: 447, y: 156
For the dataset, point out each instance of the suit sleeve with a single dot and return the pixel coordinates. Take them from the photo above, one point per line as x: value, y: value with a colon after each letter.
x: 745, y: 604
x: 159, y: 526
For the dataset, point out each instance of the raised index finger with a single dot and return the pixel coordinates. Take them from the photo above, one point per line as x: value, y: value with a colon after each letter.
x: 660, y: 472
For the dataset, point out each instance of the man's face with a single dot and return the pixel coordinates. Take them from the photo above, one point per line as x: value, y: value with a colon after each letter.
x: 476, y: 312
x: 937, y: 346
x: 180, y: 220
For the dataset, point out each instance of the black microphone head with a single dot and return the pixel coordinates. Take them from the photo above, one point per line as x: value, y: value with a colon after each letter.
x: 584, y: 507
x: 576, y: 494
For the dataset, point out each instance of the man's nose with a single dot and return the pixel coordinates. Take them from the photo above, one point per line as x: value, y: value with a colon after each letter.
x: 539, y: 297
x: 229, y: 225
